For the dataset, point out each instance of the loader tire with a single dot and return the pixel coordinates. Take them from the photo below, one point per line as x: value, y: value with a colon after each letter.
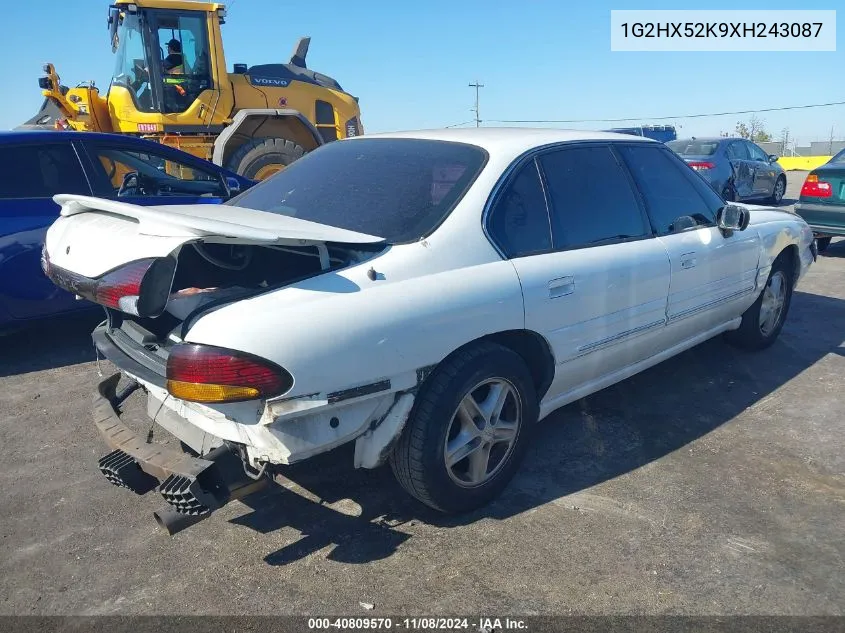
x: 260, y: 158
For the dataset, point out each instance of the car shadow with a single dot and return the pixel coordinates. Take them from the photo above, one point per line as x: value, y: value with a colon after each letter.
x: 48, y: 344
x: 836, y: 249
x: 360, y: 514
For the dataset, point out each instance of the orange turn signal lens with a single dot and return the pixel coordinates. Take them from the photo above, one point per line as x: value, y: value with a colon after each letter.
x: 812, y: 178
x: 208, y: 393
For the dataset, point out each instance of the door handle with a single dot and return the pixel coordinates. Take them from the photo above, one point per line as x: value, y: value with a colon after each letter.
x: 688, y: 260
x: 561, y: 287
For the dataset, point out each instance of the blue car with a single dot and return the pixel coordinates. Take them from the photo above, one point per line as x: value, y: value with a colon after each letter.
x: 735, y: 167
x: 36, y: 165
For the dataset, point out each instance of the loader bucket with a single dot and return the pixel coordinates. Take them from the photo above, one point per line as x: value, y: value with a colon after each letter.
x: 45, y: 119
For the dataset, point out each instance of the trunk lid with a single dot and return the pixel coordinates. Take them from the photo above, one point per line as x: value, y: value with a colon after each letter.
x: 94, y: 236
x: 835, y: 175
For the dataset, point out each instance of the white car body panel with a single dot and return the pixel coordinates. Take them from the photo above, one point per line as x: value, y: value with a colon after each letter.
x: 137, y: 232
x: 588, y: 301
x: 606, y: 312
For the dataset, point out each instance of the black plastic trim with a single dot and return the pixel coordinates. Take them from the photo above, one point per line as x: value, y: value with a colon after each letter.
x: 114, y: 353
x: 357, y: 392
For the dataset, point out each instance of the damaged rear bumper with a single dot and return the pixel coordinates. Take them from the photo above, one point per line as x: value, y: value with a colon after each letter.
x: 193, y: 486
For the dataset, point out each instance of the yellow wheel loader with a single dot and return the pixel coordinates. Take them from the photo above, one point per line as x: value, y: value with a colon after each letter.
x: 171, y: 84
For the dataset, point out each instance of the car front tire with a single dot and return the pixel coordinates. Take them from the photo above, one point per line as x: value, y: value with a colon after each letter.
x: 468, y: 430
x: 779, y: 191
x: 763, y: 321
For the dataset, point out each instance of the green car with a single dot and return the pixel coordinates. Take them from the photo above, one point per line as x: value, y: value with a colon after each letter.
x: 822, y: 200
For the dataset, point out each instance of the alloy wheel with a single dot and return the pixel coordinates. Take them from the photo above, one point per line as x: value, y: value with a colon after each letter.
x: 780, y: 189
x: 482, y: 432
x: 774, y: 298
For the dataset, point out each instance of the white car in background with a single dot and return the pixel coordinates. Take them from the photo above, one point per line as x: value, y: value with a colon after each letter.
x: 428, y: 296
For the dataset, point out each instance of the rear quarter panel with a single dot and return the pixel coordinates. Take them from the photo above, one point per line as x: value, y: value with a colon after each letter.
x: 343, y: 330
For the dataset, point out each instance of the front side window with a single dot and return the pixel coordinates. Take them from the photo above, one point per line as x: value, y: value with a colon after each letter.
x: 397, y: 189
x: 673, y: 200
x: 591, y: 198
x: 154, y: 174
x: 757, y: 153
x: 693, y: 147
x: 185, y: 58
x: 41, y: 171
x: 519, y: 221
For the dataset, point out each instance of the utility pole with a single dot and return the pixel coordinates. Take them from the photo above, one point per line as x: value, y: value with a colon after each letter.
x: 476, y: 85
x: 830, y: 142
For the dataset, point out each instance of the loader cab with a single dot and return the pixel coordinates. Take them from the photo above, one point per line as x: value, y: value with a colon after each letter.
x: 162, y: 56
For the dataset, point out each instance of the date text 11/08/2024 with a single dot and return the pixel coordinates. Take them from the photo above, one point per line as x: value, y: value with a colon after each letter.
x: 484, y: 624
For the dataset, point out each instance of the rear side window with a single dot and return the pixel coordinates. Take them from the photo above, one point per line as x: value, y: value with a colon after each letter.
x: 41, y: 171
x: 673, y: 200
x: 737, y: 151
x: 591, y: 197
x: 519, y: 221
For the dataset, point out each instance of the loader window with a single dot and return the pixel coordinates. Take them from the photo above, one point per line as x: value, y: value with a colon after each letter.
x: 131, y: 70
x: 185, y: 65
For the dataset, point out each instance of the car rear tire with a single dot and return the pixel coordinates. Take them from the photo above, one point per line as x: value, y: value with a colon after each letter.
x: 763, y: 321
x: 468, y: 429
x: 260, y: 158
x: 823, y: 243
x: 779, y: 191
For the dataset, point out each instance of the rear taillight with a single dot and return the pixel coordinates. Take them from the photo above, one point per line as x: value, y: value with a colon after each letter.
x: 121, y: 288
x: 815, y: 188
x: 207, y: 374
x: 701, y: 164
x: 141, y: 288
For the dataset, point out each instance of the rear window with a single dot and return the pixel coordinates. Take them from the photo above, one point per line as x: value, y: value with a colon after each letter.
x: 694, y: 148
x: 398, y: 189
x: 839, y: 159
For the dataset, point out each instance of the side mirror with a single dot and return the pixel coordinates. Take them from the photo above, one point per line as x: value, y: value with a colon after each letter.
x: 733, y: 218
x: 773, y: 158
x: 233, y: 185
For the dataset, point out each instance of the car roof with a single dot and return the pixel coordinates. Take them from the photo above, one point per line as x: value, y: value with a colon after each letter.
x: 36, y: 136
x: 16, y: 136
x: 509, y: 140
x: 709, y: 139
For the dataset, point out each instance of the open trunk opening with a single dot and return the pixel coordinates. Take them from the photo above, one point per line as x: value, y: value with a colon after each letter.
x: 155, y: 269
x: 213, y: 273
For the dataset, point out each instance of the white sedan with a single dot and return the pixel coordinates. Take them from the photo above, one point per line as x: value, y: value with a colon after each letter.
x: 428, y: 296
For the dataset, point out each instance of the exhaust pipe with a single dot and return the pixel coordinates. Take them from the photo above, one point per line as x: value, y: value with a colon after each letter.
x: 173, y: 521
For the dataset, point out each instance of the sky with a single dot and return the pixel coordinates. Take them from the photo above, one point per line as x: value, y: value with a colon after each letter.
x: 410, y: 62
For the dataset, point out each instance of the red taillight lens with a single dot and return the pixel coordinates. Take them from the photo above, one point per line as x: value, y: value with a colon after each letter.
x: 815, y: 188
x: 121, y: 288
x: 701, y: 164
x: 141, y: 287
x: 202, y: 373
